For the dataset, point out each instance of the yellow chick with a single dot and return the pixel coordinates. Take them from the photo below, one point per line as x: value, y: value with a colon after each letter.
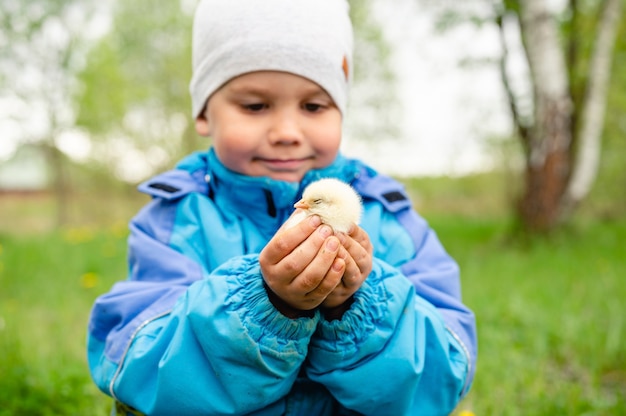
x: 335, y: 202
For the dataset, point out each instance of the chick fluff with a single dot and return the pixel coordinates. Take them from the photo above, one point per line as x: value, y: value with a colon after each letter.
x: 335, y: 202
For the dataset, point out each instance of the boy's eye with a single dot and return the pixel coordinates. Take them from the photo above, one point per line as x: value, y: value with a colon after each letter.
x: 312, y: 107
x: 254, y: 107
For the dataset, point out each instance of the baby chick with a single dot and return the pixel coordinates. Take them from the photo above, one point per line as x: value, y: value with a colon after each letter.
x: 335, y: 202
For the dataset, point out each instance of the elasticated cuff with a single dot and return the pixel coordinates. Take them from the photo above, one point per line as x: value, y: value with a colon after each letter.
x: 264, y: 323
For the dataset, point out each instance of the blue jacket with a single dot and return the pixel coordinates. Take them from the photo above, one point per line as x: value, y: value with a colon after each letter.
x: 191, y: 331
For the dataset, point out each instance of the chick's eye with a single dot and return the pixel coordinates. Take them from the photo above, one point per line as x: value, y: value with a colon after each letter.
x: 317, y: 201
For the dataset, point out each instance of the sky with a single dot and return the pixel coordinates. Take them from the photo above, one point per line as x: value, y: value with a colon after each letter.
x: 449, y: 111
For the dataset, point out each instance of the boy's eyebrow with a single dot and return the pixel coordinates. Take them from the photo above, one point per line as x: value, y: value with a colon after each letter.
x: 250, y: 89
x: 265, y: 91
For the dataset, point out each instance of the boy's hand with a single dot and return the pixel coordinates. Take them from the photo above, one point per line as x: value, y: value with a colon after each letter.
x: 302, y: 265
x: 359, y: 249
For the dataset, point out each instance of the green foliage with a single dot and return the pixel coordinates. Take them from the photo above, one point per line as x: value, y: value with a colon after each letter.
x: 135, y: 83
x: 146, y: 56
x: 41, y: 51
x: 611, y: 180
x: 103, y: 96
x: 578, y: 31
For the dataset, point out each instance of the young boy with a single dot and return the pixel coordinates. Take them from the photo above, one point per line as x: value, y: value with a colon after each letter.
x: 224, y: 312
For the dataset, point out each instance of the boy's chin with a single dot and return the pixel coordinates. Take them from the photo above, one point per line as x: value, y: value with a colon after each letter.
x: 286, y: 177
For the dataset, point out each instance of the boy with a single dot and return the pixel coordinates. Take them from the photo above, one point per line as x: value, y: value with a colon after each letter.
x: 224, y: 312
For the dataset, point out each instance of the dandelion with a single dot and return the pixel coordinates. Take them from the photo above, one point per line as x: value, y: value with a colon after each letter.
x: 467, y: 413
x: 89, y: 280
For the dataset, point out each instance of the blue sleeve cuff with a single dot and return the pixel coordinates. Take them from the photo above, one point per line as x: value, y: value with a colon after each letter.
x: 247, y: 296
x: 369, y: 322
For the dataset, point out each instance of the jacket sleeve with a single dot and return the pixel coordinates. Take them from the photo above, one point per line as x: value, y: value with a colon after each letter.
x: 407, y: 344
x: 176, y: 339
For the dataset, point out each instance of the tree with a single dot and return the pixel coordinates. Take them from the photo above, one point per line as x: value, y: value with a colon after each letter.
x: 593, y: 108
x: 42, y: 46
x: 562, y: 138
x: 547, y: 139
x: 568, y: 54
x: 134, y: 100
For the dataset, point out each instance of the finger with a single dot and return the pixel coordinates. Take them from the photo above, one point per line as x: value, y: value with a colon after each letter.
x: 360, y: 236
x: 360, y: 248
x: 352, y: 275
x: 330, y: 284
x: 313, y: 275
x: 354, y: 248
x: 301, y: 259
x: 286, y: 240
x: 295, y: 218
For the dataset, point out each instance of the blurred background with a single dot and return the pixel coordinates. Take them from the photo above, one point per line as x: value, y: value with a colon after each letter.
x: 503, y: 118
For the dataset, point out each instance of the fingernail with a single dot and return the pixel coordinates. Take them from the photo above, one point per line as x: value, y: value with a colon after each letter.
x: 325, y: 231
x: 332, y: 244
x: 314, y: 221
x: 338, y: 265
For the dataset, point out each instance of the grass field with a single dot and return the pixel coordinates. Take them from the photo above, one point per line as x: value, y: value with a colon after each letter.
x: 551, y: 313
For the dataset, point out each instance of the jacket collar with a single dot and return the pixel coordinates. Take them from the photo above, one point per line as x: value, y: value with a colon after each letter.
x: 271, y: 200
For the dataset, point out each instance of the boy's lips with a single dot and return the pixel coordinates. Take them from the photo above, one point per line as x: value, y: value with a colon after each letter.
x: 284, y: 164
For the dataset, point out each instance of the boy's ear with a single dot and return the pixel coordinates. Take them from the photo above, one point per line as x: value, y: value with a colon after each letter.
x: 202, y: 125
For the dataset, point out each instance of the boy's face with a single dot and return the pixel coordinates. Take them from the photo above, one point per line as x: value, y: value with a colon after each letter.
x: 274, y: 124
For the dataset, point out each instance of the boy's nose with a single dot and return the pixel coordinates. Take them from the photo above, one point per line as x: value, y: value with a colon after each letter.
x: 285, y: 129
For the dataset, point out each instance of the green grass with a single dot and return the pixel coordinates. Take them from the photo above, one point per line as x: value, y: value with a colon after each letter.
x: 48, y: 285
x: 551, y: 314
x: 551, y: 317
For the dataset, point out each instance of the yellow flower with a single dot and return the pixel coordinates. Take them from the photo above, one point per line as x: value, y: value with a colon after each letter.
x: 89, y: 280
x: 466, y: 413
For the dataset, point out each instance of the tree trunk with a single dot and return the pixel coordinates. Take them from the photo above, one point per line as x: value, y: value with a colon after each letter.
x: 589, y: 142
x: 547, y: 168
x: 549, y: 138
x: 60, y: 183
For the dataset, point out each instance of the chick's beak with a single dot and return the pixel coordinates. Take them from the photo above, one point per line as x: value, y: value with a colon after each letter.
x: 301, y: 204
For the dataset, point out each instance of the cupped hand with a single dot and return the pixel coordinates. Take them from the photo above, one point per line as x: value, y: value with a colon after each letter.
x: 357, y: 252
x: 302, y: 265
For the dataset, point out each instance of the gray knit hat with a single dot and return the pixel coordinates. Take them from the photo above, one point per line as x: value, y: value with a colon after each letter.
x: 310, y: 38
